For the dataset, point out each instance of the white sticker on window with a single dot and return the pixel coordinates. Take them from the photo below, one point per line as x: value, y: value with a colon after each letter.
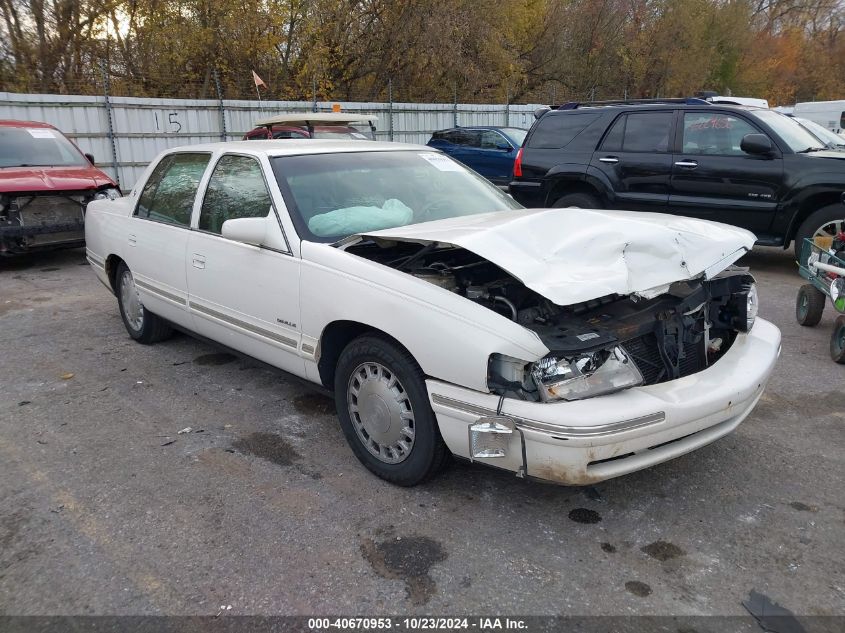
x: 441, y: 162
x: 40, y: 132
x: 587, y: 337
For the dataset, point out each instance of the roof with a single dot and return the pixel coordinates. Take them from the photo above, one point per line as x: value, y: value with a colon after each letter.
x: 303, y: 118
x: 14, y: 123
x: 292, y: 147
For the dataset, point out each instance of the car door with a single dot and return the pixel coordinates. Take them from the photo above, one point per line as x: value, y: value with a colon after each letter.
x: 241, y: 295
x: 158, y: 233
x: 495, y: 157
x: 635, y: 158
x: 712, y: 178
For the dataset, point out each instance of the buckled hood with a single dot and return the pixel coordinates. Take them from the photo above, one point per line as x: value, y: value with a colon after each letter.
x: 574, y: 255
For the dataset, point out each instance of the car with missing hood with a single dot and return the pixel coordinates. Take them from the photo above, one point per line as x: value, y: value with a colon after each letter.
x: 45, y: 184
x: 567, y: 345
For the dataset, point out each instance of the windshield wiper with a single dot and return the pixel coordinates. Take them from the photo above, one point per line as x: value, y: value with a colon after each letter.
x: 811, y: 149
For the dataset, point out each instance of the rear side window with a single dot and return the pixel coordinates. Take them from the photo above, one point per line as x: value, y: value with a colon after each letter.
x: 842, y: 120
x: 557, y: 130
x: 640, y: 132
x: 168, y: 195
x: 236, y: 189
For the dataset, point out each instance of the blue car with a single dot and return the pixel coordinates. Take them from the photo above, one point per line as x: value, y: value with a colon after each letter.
x: 488, y: 150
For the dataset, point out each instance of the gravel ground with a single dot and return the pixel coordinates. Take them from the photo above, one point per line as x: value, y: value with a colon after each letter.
x: 106, y: 509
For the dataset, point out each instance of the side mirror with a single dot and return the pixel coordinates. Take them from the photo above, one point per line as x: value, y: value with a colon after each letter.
x: 756, y: 144
x: 248, y: 230
x: 90, y: 158
x: 504, y: 147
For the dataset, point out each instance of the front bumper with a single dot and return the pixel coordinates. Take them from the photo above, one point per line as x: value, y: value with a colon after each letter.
x: 587, y: 441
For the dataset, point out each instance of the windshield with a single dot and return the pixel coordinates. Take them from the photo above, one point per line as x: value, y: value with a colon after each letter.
x: 37, y: 147
x: 825, y: 135
x: 332, y: 196
x: 790, y: 131
x: 516, y: 134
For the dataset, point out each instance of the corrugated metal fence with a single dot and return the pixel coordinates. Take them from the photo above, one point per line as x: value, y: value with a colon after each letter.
x: 125, y: 133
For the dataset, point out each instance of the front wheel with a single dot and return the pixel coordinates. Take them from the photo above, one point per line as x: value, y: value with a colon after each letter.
x: 383, y: 407
x: 837, y: 340
x: 826, y: 222
x: 142, y: 325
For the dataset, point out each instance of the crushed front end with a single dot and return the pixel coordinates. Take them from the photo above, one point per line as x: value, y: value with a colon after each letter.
x: 38, y: 221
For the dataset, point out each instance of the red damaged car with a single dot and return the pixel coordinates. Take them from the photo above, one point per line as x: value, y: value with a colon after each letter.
x: 45, y: 184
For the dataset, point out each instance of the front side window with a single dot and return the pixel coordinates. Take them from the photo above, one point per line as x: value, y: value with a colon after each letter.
x: 715, y: 133
x: 332, y: 196
x: 169, y: 193
x: 492, y: 140
x: 236, y: 189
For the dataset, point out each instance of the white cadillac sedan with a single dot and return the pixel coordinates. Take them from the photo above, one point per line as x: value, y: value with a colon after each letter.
x: 567, y: 345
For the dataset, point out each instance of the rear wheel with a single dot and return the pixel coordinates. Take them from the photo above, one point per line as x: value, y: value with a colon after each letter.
x: 826, y: 222
x: 383, y: 407
x: 809, y: 305
x: 577, y: 201
x: 837, y: 340
x: 142, y: 325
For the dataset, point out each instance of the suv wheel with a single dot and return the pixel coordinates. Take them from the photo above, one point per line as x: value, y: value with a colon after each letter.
x: 826, y: 222
x: 577, y: 201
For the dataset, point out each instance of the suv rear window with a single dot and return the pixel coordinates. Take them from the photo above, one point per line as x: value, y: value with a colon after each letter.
x: 557, y: 130
x: 640, y: 132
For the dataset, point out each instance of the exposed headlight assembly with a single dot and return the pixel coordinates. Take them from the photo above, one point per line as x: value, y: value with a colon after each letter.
x: 585, y: 375
x: 107, y: 194
x: 745, y: 305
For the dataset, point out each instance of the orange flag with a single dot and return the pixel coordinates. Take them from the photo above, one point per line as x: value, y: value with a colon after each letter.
x: 258, y: 80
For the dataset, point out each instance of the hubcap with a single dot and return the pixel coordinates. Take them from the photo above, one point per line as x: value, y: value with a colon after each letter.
x: 381, y: 412
x: 830, y: 229
x: 133, y: 309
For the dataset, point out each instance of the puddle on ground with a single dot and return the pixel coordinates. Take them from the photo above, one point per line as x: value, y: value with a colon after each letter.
x: 662, y: 550
x: 274, y: 448
x: 218, y: 358
x: 803, y: 507
x: 638, y: 588
x: 583, y: 515
x: 314, y: 403
x: 408, y: 559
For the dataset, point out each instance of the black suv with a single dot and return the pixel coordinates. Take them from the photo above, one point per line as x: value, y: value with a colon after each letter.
x: 750, y: 167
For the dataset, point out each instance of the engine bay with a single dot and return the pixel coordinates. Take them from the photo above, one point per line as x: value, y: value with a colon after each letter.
x: 675, y: 334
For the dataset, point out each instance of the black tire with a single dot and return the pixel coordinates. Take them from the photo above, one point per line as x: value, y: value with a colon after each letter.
x: 428, y: 453
x: 152, y: 328
x: 577, y: 200
x: 837, y: 340
x: 817, y: 219
x: 809, y: 305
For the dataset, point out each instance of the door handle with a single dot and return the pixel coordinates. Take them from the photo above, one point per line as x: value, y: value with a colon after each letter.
x: 198, y: 261
x: 610, y: 160
x: 133, y: 241
x: 689, y: 164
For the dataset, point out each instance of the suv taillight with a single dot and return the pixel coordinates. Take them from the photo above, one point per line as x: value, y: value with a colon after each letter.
x: 517, y: 164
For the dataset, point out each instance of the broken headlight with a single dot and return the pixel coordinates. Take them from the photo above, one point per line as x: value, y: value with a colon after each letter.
x: 743, y: 306
x: 585, y: 375
x: 110, y: 193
